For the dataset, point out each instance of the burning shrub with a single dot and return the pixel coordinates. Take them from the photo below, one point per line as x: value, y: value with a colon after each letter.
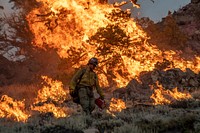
x: 50, y: 99
x: 13, y: 109
x: 119, y: 16
x: 109, y: 41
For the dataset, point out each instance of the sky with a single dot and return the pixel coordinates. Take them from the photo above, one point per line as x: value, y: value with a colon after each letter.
x: 155, y: 11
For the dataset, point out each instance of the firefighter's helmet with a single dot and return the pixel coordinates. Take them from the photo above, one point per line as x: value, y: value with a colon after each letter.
x: 93, y: 61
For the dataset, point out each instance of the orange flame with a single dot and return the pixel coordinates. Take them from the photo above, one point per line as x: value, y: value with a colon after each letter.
x: 13, y: 109
x: 117, y: 105
x: 57, y: 111
x: 63, y: 24
x: 52, y: 93
x: 161, y: 96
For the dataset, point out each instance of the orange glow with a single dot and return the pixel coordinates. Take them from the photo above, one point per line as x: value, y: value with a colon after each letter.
x: 161, y: 96
x: 53, y: 92
x: 57, y: 111
x: 63, y: 24
x: 117, y: 105
x: 13, y: 109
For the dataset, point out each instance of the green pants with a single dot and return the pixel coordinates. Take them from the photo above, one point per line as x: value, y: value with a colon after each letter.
x: 87, y: 100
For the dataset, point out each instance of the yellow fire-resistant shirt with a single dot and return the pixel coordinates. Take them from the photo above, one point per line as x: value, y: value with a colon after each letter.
x: 89, y: 79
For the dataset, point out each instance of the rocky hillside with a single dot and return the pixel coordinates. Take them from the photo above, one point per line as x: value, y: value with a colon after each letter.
x: 178, y: 31
x: 188, y: 20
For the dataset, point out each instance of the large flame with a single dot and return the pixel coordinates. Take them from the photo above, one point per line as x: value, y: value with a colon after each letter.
x: 13, y: 109
x: 82, y: 20
x: 161, y: 96
x: 49, y: 99
x: 63, y: 24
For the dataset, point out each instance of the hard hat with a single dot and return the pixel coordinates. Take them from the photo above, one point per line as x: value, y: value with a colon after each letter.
x: 93, y: 61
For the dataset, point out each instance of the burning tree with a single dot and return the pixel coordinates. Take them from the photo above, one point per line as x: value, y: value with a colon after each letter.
x: 78, y: 32
x: 108, y: 41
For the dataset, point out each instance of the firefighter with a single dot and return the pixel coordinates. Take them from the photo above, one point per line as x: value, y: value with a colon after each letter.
x: 85, y: 80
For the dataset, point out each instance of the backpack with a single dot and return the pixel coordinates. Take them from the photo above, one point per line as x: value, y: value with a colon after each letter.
x: 75, y: 96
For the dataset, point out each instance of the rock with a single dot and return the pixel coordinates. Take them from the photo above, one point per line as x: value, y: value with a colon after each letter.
x: 195, y: 1
x: 163, y: 65
x: 120, y: 93
x: 133, y: 85
x: 168, y: 79
x: 155, y: 75
x: 137, y: 91
x: 193, y: 82
x: 190, y: 73
x: 145, y: 77
x: 183, y: 20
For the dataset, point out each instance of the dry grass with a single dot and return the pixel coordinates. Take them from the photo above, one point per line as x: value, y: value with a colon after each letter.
x: 20, y: 92
x: 138, y: 119
x: 159, y: 119
x: 196, y: 94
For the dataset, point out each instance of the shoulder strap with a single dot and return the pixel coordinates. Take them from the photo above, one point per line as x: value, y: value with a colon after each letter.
x: 83, y: 72
x: 95, y: 76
